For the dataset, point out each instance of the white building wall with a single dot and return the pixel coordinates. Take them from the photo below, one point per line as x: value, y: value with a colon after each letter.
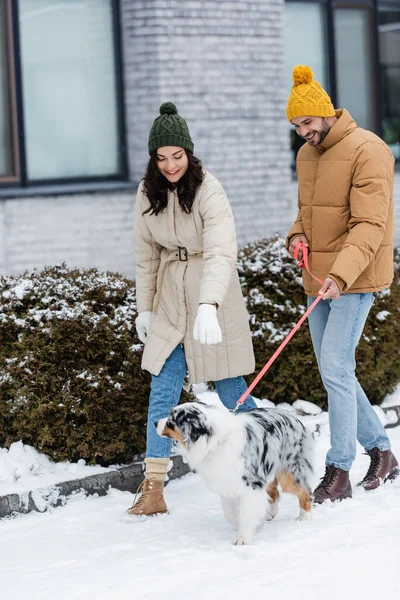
x: 85, y: 230
x: 222, y: 63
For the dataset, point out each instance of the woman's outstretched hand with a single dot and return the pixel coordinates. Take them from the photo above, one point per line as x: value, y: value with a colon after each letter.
x: 206, y: 327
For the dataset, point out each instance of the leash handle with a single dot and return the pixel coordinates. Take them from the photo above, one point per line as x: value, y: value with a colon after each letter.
x: 302, y: 264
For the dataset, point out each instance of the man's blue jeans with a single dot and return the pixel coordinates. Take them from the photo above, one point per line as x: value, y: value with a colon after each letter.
x: 165, y: 393
x: 336, y: 327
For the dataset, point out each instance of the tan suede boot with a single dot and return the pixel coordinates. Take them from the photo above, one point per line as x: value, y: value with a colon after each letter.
x: 151, y: 502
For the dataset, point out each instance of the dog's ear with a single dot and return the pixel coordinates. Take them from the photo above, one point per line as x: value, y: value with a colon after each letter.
x: 185, y: 429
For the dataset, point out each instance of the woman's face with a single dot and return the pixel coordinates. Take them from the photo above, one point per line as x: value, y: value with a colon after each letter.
x: 172, y: 162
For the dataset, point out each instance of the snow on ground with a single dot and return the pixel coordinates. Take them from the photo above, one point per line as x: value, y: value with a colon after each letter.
x: 392, y: 399
x: 23, y: 469
x: 90, y: 548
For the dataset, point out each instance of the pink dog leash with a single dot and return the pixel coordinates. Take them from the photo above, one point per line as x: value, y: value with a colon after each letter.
x: 302, y: 264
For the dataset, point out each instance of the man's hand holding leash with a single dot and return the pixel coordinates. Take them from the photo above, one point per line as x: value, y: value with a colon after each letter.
x: 294, y: 242
x: 329, y: 289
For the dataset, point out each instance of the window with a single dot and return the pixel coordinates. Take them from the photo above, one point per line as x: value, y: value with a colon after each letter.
x: 353, y: 64
x: 304, y: 49
x: 301, y: 47
x: 389, y: 54
x: 66, y: 84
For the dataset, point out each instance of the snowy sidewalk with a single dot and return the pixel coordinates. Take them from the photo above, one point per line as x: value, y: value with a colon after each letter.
x: 90, y: 549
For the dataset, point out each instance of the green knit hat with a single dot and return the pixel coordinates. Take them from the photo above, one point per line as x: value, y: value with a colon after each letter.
x: 169, y: 129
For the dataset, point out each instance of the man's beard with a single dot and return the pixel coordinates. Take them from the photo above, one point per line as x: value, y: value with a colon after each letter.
x: 320, y: 134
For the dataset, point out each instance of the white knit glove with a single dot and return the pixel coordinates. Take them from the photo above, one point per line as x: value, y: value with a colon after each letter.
x: 206, y: 327
x: 142, y: 323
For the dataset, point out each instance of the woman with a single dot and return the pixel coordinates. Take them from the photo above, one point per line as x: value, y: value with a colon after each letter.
x: 191, y: 310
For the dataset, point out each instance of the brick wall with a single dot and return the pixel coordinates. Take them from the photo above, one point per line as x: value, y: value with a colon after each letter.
x: 88, y: 230
x: 222, y: 63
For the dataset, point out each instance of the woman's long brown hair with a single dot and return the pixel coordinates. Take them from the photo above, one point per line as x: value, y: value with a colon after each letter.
x: 156, y: 186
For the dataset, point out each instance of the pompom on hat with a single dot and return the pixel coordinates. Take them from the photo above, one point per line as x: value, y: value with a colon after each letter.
x: 169, y: 129
x: 307, y: 98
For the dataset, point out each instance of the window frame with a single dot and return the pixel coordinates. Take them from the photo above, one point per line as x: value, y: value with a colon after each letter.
x: 19, y: 180
x: 15, y: 175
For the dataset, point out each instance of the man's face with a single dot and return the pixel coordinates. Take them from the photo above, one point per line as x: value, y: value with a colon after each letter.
x: 312, y: 129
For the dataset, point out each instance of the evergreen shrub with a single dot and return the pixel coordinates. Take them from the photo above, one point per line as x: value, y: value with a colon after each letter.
x: 271, y: 284
x: 71, y: 384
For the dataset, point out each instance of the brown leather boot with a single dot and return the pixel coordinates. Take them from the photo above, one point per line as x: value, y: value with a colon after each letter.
x: 383, y: 467
x: 151, y: 502
x: 335, y: 485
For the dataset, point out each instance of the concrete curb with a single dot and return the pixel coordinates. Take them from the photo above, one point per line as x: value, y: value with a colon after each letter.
x: 125, y: 479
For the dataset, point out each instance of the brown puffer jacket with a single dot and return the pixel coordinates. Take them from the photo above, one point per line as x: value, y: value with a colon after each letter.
x: 185, y: 259
x: 346, y: 209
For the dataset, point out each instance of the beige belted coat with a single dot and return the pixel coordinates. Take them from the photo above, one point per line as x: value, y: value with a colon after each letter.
x: 183, y: 260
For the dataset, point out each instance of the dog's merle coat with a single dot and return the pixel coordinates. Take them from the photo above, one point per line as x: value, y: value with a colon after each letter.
x: 275, y: 440
x: 244, y: 457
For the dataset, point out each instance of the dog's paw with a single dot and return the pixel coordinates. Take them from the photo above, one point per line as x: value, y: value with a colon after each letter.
x: 269, y: 517
x: 305, y: 515
x: 272, y: 511
x: 241, y: 541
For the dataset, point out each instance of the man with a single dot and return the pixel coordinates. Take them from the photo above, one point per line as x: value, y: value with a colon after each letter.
x: 345, y: 218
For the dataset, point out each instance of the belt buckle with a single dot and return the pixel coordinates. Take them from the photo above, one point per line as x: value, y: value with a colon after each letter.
x: 182, y: 253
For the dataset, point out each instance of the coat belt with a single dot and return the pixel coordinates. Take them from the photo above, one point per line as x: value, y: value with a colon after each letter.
x: 180, y: 254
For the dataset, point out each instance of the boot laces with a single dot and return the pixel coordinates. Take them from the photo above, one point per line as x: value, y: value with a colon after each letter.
x: 375, y: 456
x: 328, y: 479
x: 145, y: 487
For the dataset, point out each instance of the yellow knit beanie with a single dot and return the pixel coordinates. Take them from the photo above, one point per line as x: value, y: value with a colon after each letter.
x: 307, y: 98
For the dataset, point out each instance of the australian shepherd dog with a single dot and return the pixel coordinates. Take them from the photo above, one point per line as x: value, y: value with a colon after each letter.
x: 243, y: 457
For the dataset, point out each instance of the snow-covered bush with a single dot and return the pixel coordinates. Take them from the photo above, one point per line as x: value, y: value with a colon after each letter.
x: 70, y: 378
x: 271, y: 283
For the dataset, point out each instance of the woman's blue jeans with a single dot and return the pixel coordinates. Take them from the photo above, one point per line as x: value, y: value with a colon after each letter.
x: 165, y: 393
x: 336, y: 327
